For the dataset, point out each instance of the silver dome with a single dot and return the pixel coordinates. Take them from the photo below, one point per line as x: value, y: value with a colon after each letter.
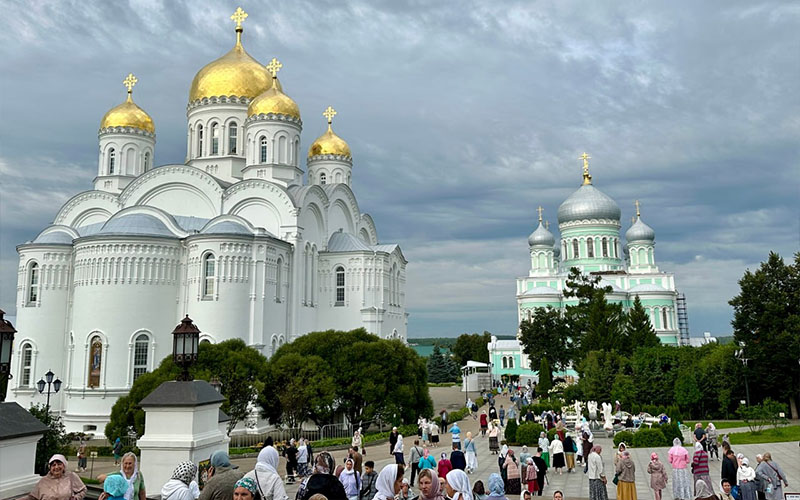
x: 143, y: 224
x: 640, y: 231
x: 588, y: 202
x: 541, y: 237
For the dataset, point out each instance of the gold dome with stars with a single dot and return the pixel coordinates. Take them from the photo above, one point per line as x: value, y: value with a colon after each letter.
x: 236, y: 73
x: 273, y: 100
x: 329, y: 143
x: 128, y: 114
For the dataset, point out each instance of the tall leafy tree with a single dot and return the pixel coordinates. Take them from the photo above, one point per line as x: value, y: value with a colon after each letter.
x: 767, y: 320
x: 598, y: 371
x: 303, y: 388
x: 545, y: 378
x: 639, y: 330
x: 598, y: 323
x: 549, y: 335
x: 472, y: 347
x: 441, y: 367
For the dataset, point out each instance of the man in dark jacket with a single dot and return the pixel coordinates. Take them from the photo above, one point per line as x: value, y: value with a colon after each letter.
x: 729, y: 466
x: 393, y: 440
x: 457, y: 458
x: 369, y: 482
x: 291, y: 461
x: 223, y: 477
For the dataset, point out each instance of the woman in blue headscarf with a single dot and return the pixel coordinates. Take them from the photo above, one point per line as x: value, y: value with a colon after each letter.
x: 496, y: 487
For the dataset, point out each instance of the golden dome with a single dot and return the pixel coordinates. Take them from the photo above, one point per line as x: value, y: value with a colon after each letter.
x: 236, y: 73
x: 128, y: 114
x: 329, y: 144
x: 274, y: 101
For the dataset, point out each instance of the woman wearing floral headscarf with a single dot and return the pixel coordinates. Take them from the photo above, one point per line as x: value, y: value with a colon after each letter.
x: 513, y: 486
x: 389, y: 481
x: 322, y: 480
x: 658, y: 476
x: 265, y: 474
x: 457, y: 484
x: 245, y: 489
x: 59, y: 483
x: 178, y: 488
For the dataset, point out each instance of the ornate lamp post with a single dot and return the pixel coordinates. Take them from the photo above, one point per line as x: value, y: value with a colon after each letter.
x: 185, y: 340
x: 56, y: 385
x: 741, y: 357
x: 7, y: 332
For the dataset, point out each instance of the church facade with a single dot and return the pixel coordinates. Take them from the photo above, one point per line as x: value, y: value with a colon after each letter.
x: 590, y: 240
x: 238, y: 237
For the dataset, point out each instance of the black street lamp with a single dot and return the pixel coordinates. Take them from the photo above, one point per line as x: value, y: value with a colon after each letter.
x: 7, y: 332
x: 740, y: 356
x: 185, y: 339
x: 56, y: 385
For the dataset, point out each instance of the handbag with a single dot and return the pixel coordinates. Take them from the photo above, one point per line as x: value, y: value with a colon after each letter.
x: 616, y: 479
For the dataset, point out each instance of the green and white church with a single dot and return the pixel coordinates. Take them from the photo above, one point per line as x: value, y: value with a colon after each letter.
x: 589, y: 225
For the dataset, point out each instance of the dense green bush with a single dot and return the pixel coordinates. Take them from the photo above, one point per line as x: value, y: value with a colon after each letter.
x: 528, y: 433
x: 623, y: 437
x: 649, y: 438
x: 674, y: 413
x: 671, y: 431
x: 510, y: 432
x: 551, y: 434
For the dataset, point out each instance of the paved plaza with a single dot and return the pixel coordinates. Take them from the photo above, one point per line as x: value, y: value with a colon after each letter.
x: 574, y: 485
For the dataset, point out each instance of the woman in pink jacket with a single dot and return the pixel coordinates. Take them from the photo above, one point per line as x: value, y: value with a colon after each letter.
x: 681, y: 482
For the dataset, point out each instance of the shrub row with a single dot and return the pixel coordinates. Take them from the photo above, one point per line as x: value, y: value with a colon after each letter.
x: 656, y: 437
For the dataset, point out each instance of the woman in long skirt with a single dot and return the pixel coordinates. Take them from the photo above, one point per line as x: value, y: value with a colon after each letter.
x: 471, y: 453
x: 700, y: 466
x: 658, y: 476
x: 544, y: 444
x: 557, y: 454
x: 681, y: 482
x: 746, y: 477
x: 494, y: 444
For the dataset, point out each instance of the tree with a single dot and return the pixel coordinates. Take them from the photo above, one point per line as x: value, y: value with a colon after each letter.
x: 239, y: 368
x: 598, y: 371
x: 303, y: 388
x: 545, y: 378
x: 639, y: 330
x: 766, y: 318
x: 547, y: 335
x: 441, y: 368
x: 54, y: 440
x: 687, y: 392
x: 472, y: 347
x: 599, y: 324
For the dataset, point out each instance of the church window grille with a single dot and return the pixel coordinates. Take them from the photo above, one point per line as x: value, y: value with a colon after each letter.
x: 233, y: 131
x: 340, y: 286
x: 323, y: 179
x: 505, y: 362
x: 209, y: 274
x: 199, y: 140
x: 214, y: 139
x: 278, y: 280
x: 140, y: 347
x: 605, y: 247
x: 33, y: 284
x: 95, y: 361
x: 511, y: 361
x: 664, y: 318
x: 590, y: 247
x: 575, y: 249
x: 112, y: 158
x: 147, y: 161
x: 26, y: 366
x: 263, y: 149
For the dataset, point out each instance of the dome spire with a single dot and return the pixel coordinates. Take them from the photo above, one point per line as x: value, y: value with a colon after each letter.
x: 540, y: 210
x: 638, y: 215
x: 329, y: 114
x: 130, y: 82
x: 587, y: 178
x: 238, y: 17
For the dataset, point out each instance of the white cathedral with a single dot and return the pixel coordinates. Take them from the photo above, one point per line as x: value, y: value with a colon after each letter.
x: 235, y: 237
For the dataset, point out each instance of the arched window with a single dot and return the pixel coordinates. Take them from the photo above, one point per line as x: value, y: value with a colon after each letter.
x: 26, y: 365
x: 664, y: 318
x: 590, y: 247
x: 33, y: 284
x: 323, y: 179
x: 263, y: 149
x: 112, y: 159
x: 209, y: 273
x: 233, y: 130
x: 339, y: 286
x: 214, y: 139
x: 505, y: 362
x: 605, y: 247
x: 140, y: 347
x: 278, y: 281
x: 576, y: 252
x: 147, y: 161
x: 95, y: 361
x: 199, y: 140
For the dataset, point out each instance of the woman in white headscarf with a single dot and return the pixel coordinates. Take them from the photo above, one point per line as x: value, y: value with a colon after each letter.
x: 457, y: 484
x: 270, y: 485
x: 746, y: 477
x: 398, y: 451
x: 389, y: 481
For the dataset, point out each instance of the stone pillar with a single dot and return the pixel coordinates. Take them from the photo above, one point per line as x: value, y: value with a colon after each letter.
x: 181, y: 423
x: 19, y: 433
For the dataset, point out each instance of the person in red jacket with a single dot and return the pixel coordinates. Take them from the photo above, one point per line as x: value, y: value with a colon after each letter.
x: 444, y: 466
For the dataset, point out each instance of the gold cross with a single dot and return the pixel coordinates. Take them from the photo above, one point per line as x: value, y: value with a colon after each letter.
x: 129, y: 82
x: 587, y: 179
x: 540, y: 210
x: 329, y: 114
x: 238, y: 17
x: 637, y: 208
x: 274, y: 66
x: 547, y: 225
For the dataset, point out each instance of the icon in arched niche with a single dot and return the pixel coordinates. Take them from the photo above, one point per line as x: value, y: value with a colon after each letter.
x: 95, y: 361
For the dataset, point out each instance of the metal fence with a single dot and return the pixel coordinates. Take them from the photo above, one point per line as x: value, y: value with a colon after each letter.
x: 329, y: 431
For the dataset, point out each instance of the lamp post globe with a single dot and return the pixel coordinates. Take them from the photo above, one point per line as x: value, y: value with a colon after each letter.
x: 55, y: 384
x: 40, y: 385
x: 7, y: 332
x: 185, y: 341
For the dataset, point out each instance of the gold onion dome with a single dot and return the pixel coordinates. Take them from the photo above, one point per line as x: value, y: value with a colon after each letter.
x: 329, y: 143
x: 128, y: 114
x: 273, y: 100
x: 236, y: 73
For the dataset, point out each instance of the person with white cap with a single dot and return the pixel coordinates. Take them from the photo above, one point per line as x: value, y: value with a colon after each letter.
x: 59, y: 483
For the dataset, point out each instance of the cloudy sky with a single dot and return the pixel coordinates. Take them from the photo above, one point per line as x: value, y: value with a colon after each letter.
x: 462, y: 116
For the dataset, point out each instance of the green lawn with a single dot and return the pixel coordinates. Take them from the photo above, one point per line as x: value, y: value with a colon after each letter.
x: 727, y: 424
x: 790, y: 433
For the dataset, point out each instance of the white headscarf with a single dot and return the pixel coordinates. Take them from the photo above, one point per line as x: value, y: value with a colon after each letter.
x: 132, y: 479
x: 459, y: 481
x: 268, y: 460
x: 385, y: 483
x: 504, y: 451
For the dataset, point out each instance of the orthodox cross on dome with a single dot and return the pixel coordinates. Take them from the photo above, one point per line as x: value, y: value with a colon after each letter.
x: 547, y: 225
x: 540, y: 210
x: 274, y: 66
x: 637, y: 209
x: 587, y: 178
x: 238, y: 17
x: 329, y: 114
x: 130, y: 82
